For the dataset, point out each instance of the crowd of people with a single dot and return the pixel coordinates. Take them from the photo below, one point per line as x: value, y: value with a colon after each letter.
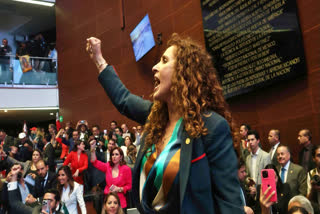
x: 72, y: 165
x: 66, y: 164
x: 300, y: 180
x: 35, y: 47
x: 187, y: 162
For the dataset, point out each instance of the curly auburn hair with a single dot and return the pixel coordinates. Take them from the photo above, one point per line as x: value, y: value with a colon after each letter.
x: 195, y: 89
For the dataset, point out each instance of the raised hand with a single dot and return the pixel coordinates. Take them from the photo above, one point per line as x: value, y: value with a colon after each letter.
x: 265, y: 202
x: 93, y: 47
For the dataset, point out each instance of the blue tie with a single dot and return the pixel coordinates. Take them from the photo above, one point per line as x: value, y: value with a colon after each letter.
x: 283, y: 170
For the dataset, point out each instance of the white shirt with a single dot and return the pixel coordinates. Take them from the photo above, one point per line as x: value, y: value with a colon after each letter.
x: 254, y: 165
x: 124, y: 149
x: 23, y: 191
x: 286, y: 172
x: 70, y: 200
x: 274, y: 149
x: 107, y: 155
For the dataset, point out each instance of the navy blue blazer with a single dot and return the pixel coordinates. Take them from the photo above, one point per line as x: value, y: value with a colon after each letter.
x: 208, y: 180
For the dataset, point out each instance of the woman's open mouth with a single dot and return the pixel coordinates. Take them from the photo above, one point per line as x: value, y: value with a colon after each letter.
x: 156, y: 83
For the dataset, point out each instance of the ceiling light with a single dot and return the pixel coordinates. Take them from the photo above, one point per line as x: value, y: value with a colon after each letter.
x: 36, y: 2
x: 51, y: 113
x: 32, y: 108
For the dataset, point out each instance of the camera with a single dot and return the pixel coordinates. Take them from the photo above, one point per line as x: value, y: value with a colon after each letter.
x: 250, y: 182
x: 82, y: 121
x: 19, y: 176
x: 315, y: 180
x: 264, y: 174
x: 96, y: 138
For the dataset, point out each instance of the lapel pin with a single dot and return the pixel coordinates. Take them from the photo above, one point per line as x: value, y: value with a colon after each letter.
x: 187, y: 140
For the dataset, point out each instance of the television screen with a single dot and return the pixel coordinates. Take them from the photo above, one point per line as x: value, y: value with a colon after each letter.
x: 142, y: 38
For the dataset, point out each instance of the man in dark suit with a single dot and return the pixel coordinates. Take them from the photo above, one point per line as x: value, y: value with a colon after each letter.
x: 305, y: 155
x: 44, y: 181
x: 52, y: 197
x: 244, y: 147
x: 18, y: 189
x: 48, y: 153
x: 291, y: 173
x: 6, y: 141
x: 274, y: 141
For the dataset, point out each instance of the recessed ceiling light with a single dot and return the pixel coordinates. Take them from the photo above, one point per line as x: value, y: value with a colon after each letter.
x: 51, y: 113
x: 36, y: 2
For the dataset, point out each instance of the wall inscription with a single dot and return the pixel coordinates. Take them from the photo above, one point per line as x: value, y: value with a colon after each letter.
x: 254, y: 43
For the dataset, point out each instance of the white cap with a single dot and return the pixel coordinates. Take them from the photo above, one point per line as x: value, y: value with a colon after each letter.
x: 22, y: 135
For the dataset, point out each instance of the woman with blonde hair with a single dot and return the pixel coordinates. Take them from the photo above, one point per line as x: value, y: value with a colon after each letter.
x: 111, y: 204
x: 29, y: 165
x: 186, y: 163
x: 131, y: 156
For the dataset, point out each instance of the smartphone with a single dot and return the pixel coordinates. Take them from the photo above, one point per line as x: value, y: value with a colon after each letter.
x: 46, y: 206
x: 112, y: 187
x: 105, y: 132
x: 268, y: 179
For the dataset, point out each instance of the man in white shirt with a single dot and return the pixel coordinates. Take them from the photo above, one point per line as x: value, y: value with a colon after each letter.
x: 291, y: 173
x: 257, y: 159
x: 274, y: 141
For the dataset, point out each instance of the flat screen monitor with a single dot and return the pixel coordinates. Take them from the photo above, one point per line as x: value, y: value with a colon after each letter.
x: 142, y: 38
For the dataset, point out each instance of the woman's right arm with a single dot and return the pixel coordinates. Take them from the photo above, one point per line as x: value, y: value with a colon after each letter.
x: 130, y: 105
x: 93, y: 159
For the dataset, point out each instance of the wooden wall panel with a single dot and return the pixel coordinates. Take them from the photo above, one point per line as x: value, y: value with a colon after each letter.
x: 287, y: 106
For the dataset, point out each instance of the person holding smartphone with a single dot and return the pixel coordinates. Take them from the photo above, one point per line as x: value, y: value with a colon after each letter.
x: 50, y: 203
x: 283, y: 193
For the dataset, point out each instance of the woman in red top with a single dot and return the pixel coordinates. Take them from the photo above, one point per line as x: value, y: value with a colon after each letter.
x: 65, y: 148
x: 78, y: 161
x: 118, y: 174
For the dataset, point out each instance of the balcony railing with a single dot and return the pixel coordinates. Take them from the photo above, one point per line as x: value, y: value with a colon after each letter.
x: 26, y: 72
